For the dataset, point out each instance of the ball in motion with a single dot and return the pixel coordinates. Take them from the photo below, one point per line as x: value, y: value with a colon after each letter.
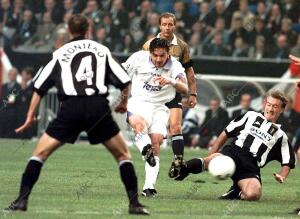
x: 221, y: 167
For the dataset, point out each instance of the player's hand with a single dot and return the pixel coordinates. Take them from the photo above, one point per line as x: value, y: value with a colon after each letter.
x: 28, y: 123
x: 295, y: 59
x: 121, y: 108
x: 162, y: 81
x: 278, y: 177
x: 192, y: 101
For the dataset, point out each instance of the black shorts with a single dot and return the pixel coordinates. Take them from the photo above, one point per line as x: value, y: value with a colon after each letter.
x: 246, y: 164
x: 89, y: 114
x: 176, y: 102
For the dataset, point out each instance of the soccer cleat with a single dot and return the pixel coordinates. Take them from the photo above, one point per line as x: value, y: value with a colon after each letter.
x: 138, y: 209
x: 150, y: 193
x: 149, y: 155
x: 296, y: 211
x: 232, y: 194
x: 176, y: 166
x: 183, y: 173
x: 17, y: 205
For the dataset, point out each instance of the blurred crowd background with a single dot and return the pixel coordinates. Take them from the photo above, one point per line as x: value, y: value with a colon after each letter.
x: 238, y: 28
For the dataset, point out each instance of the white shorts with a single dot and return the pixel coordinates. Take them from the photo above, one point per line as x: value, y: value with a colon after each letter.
x: 155, y: 115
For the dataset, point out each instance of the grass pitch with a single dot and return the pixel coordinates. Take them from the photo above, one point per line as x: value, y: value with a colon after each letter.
x: 82, y: 181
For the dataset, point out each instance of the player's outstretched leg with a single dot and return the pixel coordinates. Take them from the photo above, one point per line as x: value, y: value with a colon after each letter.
x: 195, y: 166
x: 45, y: 147
x: 117, y: 146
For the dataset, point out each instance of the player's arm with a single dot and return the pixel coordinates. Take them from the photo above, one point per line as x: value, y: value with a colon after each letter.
x: 288, y: 160
x: 282, y: 175
x: 191, y: 79
x: 190, y: 74
x: 30, y: 119
x: 122, y: 106
x: 179, y: 83
x: 220, y: 141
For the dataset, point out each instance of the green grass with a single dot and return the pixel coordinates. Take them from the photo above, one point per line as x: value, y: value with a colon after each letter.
x: 82, y: 181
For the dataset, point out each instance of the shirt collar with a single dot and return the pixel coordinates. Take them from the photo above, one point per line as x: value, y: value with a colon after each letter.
x: 174, y: 40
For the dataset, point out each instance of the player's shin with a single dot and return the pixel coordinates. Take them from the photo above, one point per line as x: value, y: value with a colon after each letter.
x: 151, y: 174
x: 178, y: 145
x: 129, y: 180
x: 30, y: 177
x: 141, y: 140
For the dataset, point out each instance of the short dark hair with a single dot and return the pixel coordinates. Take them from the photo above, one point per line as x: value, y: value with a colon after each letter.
x: 28, y: 70
x: 78, y: 24
x: 159, y: 43
x: 167, y: 15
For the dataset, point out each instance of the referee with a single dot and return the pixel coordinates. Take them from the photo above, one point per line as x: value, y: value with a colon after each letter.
x: 81, y: 71
x: 257, y: 140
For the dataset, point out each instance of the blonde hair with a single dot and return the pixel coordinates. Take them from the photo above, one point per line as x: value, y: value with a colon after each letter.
x: 167, y: 15
x: 277, y: 94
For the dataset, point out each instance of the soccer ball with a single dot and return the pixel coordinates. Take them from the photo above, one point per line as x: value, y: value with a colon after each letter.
x: 221, y: 167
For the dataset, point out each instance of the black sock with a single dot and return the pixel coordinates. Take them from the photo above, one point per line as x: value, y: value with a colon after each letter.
x: 129, y: 180
x: 194, y: 165
x: 178, y: 144
x: 29, y: 178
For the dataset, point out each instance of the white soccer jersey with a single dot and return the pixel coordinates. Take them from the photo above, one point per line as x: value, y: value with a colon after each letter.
x: 143, y: 72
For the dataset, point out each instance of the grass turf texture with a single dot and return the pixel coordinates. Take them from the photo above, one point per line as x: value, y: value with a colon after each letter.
x: 82, y: 181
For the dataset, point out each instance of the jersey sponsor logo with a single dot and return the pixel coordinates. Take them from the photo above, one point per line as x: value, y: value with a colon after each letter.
x: 260, y: 134
x: 150, y: 87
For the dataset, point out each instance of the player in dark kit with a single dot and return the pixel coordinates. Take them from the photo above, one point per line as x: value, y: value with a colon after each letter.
x: 257, y: 140
x: 81, y: 71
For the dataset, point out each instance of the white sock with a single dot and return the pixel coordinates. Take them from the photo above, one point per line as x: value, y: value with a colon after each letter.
x: 141, y: 140
x: 151, y: 174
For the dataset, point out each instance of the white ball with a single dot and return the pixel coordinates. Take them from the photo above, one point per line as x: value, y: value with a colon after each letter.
x: 221, y: 167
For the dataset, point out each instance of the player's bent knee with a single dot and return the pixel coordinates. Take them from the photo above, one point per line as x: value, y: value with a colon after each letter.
x: 175, y: 129
x: 252, y: 195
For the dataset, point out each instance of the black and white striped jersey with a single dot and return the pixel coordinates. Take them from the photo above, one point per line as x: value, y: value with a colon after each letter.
x: 263, y: 139
x: 81, y: 67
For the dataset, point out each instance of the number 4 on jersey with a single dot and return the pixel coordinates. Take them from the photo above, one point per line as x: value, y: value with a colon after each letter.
x: 85, y: 71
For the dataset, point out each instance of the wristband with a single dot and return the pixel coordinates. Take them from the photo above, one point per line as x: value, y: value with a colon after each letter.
x: 193, y: 94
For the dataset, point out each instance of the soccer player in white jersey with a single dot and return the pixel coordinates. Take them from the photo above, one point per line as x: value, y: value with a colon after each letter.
x: 257, y: 140
x: 156, y: 77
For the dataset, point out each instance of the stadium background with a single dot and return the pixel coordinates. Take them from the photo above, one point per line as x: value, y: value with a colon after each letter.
x: 248, y: 54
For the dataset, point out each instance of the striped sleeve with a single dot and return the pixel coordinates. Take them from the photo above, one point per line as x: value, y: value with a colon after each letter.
x: 44, y: 79
x: 236, y: 125
x: 287, y: 153
x: 116, y: 75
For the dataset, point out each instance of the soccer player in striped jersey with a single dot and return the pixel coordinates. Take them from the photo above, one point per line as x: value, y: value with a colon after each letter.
x: 257, y: 140
x: 81, y: 71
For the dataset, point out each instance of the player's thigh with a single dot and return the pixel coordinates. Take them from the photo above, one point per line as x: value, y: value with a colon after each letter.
x: 209, y: 158
x: 118, y: 148
x: 251, y: 188
x: 175, y: 120
x: 137, y: 122
x: 156, y: 140
x: 46, y: 146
